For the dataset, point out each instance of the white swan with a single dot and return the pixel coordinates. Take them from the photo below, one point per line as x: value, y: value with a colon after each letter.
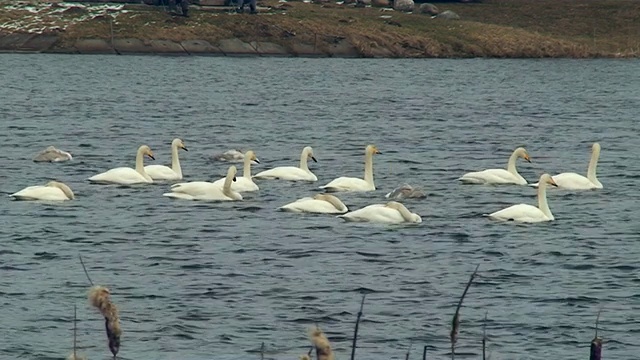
x: 52, y: 191
x: 233, y: 155
x: 573, y: 181
x: 202, y: 190
x: 320, y: 203
x: 244, y: 183
x: 161, y: 172
x: 499, y: 176
x: 51, y: 154
x: 406, y: 191
x: 301, y: 173
x: 529, y: 213
x: 390, y: 213
x: 125, y: 175
x: 356, y: 184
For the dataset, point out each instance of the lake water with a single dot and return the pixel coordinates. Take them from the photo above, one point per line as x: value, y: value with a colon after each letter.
x: 212, y: 280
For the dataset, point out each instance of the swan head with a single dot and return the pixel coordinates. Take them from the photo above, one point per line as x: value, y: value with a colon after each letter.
x: 179, y: 144
x: 251, y: 156
x: 372, y: 149
x: 146, y: 151
x: 232, y: 172
x: 522, y: 153
x: 547, y: 179
x: 595, y: 148
x: 65, y: 189
x: 309, y: 151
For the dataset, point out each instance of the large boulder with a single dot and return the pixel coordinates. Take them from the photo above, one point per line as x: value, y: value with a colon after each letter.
x: 380, y: 3
x: 403, y: 5
x: 428, y: 9
x: 449, y: 15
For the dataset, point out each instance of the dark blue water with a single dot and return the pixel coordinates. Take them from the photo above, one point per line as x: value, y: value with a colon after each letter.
x: 203, y: 280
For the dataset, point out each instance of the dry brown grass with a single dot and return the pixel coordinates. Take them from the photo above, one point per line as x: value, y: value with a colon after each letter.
x: 495, y: 28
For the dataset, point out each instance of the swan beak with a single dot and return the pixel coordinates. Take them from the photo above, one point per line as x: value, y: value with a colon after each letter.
x: 234, y: 179
x: 552, y: 182
x: 314, y: 159
x: 151, y: 156
x: 185, y: 148
x: 256, y: 160
x: 527, y: 158
x: 377, y: 152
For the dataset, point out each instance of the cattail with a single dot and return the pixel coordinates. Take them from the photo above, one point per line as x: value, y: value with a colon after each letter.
x: 99, y: 297
x: 322, y: 344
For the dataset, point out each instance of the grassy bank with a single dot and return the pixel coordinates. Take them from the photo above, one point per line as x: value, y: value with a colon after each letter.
x: 494, y: 28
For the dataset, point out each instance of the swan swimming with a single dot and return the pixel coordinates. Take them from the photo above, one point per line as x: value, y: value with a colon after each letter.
x: 233, y: 155
x: 406, y: 191
x: 499, y: 176
x: 356, y: 184
x: 529, y: 213
x: 320, y: 203
x: 126, y: 175
x: 51, y: 154
x: 202, y: 190
x: 392, y: 212
x: 573, y: 181
x: 245, y: 182
x: 52, y: 191
x: 161, y: 172
x: 301, y: 173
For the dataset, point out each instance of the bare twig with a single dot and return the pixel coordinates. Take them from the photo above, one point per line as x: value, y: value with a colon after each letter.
x: 355, y: 331
x: 85, y: 270
x: 262, y: 351
x: 75, y: 318
x: 408, y: 350
x: 424, y: 353
x: 484, y: 337
x: 456, y: 318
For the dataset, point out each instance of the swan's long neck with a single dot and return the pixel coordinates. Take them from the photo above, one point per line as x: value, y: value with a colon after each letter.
x: 226, y: 188
x: 406, y: 214
x: 247, y: 168
x: 335, y: 202
x: 511, y: 165
x: 303, y: 161
x: 175, y: 161
x: 593, y: 164
x: 368, y: 168
x: 140, y: 163
x: 542, y: 199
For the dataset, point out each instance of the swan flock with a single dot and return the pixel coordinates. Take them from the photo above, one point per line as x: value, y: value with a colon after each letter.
x: 230, y: 187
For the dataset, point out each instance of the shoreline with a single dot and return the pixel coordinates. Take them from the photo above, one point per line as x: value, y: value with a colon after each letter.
x: 491, y: 29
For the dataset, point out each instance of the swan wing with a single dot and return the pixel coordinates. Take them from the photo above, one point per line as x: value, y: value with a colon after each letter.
x: 491, y: 176
x: 196, y: 188
x: 161, y: 172
x: 311, y: 205
x: 521, y: 213
x: 573, y: 181
x: 379, y: 213
x: 39, y: 192
x: 242, y: 184
x: 286, y: 173
x: 121, y: 175
x: 347, y: 184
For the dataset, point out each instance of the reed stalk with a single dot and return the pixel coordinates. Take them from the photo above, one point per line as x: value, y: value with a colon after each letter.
x: 455, y: 325
x: 424, y: 353
x: 596, y: 343
x: 484, y: 337
x: 355, y: 331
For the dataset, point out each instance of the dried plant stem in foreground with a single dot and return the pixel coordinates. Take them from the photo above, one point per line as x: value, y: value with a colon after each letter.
x: 408, y: 351
x: 424, y: 353
x: 322, y: 344
x: 596, y: 343
x: 484, y: 337
x: 355, y: 331
x: 455, y: 326
x: 307, y: 356
x: 74, y: 355
x: 99, y: 297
